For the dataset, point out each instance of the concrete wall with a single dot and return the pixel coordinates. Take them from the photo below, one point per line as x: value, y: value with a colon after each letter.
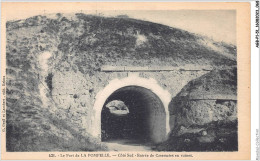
x: 81, y: 97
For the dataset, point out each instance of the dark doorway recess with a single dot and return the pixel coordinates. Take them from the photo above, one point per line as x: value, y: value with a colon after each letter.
x: 145, y: 122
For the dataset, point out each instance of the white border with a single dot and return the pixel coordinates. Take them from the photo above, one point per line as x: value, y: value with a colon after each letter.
x: 254, y: 85
x: 254, y: 59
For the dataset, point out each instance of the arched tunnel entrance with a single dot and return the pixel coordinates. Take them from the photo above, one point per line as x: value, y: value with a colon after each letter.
x: 144, y: 122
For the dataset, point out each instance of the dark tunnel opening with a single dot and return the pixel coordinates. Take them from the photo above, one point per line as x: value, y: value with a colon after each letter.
x: 145, y: 121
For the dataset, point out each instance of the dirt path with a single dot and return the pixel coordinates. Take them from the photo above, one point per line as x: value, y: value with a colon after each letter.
x: 125, y: 145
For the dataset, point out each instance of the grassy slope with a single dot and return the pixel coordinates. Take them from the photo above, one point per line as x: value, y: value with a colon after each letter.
x: 221, y: 136
x: 98, y: 41
x: 31, y: 126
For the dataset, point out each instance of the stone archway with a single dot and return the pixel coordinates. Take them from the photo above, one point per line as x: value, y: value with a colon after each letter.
x: 132, y: 81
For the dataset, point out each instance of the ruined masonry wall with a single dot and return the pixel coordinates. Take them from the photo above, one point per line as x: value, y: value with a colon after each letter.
x: 74, y: 93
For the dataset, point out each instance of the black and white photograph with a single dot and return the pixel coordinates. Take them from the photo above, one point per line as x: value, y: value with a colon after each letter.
x: 122, y: 81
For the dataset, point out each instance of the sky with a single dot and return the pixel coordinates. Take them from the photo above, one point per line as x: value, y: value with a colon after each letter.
x: 220, y: 25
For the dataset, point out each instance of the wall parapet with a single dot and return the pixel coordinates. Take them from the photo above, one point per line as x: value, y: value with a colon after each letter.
x: 108, y: 68
x: 111, y: 68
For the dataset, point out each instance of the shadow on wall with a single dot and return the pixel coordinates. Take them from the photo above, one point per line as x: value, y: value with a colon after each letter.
x: 145, y: 122
x: 203, y: 116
